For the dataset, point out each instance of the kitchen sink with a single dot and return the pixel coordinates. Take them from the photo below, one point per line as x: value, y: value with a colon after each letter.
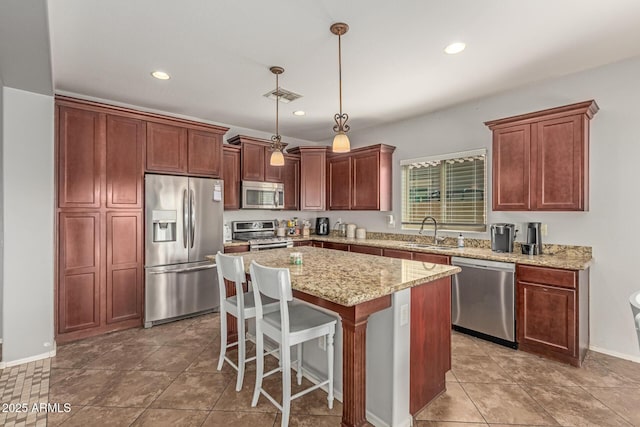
x: 426, y: 246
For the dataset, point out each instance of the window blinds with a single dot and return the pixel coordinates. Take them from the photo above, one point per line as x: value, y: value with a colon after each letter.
x: 451, y: 188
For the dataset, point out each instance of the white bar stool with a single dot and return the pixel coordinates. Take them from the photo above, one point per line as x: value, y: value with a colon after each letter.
x: 634, y: 300
x: 292, y: 325
x: 241, y: 306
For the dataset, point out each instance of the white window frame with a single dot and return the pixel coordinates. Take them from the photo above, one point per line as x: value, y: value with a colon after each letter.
x: 434, y: 160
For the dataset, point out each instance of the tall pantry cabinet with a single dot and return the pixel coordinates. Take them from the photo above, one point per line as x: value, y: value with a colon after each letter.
x: 100, y: 165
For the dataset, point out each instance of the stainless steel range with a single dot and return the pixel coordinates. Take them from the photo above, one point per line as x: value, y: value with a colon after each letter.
x: 260, y: 235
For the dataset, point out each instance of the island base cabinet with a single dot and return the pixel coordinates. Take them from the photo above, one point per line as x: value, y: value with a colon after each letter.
x: 552, y: 313
x: 430, y: 342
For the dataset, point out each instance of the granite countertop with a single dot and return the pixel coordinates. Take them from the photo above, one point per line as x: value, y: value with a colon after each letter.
x: 569, y: 257
x: 348, y: 278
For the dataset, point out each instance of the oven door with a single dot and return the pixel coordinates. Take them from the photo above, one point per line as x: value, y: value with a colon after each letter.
x: 262, y: 195
x: 265, y: 246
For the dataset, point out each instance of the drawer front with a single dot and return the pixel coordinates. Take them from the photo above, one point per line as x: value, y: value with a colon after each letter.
x: 432, y: 258
x: 337, y: 246
x: 547, y: 276
x: 366, y: 250
x: 394, y: 253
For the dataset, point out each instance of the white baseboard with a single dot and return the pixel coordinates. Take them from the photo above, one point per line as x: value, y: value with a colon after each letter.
x: 41, y: 356
x: 615, y: 354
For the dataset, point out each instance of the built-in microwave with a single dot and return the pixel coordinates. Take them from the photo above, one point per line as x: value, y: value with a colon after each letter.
x: 262, y: 195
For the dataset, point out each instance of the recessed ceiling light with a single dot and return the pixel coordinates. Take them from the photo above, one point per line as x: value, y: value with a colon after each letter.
x: 161, y: 75
x: 454, y: 48
x: 299, y: 113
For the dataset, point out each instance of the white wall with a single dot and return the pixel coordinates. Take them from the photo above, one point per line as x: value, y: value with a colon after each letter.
x: 610, y: 226
x: 1, y: 210
x: 28, y: 199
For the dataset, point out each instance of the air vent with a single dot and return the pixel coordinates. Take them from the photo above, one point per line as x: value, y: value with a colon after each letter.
x: 285, y: 95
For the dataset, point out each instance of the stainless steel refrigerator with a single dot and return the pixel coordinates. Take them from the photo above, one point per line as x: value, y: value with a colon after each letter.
x: 183, y: 224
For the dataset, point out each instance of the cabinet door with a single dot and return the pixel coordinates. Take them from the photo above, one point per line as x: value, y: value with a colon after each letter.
x: 395, y: 253
x: 252, y: 161
x: 546, y: 318
x: 432, y: 258
x: 124, y: 171
x: 166, y: 148
x: 204, y: 153
x: 312, y: 180
x: 291, y: 180
x: 560, y: 168
x: 366, y: 250
x: 231, y: 177
x: 79, y: 271
x: 511, y: 163
x: 302, y: 243
x: 236, y: 249
x: 317, y: 244
x: 80, y: 154
x: 124, y: 266
x: 272, y: 173
x: 366, y: 181
x: 339, y: 182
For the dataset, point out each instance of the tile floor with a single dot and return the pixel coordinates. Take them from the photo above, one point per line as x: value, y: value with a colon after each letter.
x: 167, y: 375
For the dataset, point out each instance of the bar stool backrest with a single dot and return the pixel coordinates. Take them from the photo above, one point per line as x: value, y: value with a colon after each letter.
x: 231, y: 268
x: 274, y: 283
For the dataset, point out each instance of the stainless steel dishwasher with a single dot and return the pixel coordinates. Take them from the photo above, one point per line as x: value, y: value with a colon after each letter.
x: 483, y: 300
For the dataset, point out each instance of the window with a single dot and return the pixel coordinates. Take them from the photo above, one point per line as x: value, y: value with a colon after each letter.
x: 451, y: 188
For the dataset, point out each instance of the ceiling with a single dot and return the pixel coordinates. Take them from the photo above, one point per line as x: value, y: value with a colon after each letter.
x: 219, y: 53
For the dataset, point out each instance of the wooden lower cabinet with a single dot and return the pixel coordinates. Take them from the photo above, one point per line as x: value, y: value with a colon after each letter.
x: 302, y: 243
x: 124, y: 266
x: 432, y: 258
x: 80, y: 278
x: 236, y: 249
x: 317, y: 244
x: 553, y: 312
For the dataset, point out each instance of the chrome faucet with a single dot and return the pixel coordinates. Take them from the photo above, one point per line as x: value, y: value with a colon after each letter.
x: 436, y: 239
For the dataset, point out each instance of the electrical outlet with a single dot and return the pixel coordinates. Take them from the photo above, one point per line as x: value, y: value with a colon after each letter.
x: 404, y: 314
x: 391, y: 222
x: 543, y: 229
x: 322, y: 343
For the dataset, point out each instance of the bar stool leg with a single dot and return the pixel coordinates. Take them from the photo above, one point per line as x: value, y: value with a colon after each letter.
x: 242, y: 353
x: 299, y: 375
x: 286, y: 383
x: 223, y: 337
x: 259, y: 366
x: 330, y: 368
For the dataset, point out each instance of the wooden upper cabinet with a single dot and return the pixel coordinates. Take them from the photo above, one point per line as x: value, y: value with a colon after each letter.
x: 339, y: 180
x: 256, y: 156
x: 166, y: 148
x: 291, y: 181
x: 252, y: 162
x: 80, y: 157
x: 231, y: 176
x: 313, y: 166
x: 124, y: 172
x: 561, y: 169
x: 511, y: 165
x: 204, y: 153
x: 541, y: 159
x: 361, y: 179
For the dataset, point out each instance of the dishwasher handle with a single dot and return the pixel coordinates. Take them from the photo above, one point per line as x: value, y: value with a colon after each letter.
x: 484, y: 264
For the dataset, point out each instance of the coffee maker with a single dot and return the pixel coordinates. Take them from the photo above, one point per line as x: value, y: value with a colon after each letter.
x: 502, y: 237
x: 322, y: 226
x: 534, y: 239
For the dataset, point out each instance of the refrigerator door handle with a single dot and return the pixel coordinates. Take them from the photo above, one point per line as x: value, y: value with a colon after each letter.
x: 192, y: 215
x: 185, y: 218
x: 184, y: 270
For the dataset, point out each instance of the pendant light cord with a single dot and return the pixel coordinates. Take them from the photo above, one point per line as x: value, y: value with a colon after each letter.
x: 340, y: 69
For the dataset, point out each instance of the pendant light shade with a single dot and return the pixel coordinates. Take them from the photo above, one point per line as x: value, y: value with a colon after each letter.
x: 277, y: 158
x: 341, y: 143
x: 341, y: 140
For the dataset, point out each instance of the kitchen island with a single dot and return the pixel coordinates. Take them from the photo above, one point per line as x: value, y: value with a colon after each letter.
x: 402, y: 306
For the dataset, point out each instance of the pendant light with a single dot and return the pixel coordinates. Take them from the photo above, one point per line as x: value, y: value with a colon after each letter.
x: 341, y: 140
x: 277, y: 158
